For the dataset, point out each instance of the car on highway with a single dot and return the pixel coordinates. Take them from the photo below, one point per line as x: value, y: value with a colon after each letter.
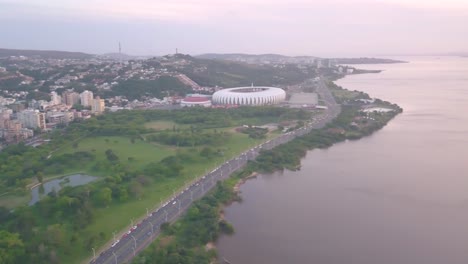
x: 115, y: 243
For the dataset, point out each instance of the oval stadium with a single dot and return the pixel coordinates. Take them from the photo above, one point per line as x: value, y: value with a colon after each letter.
x: 255, y: 95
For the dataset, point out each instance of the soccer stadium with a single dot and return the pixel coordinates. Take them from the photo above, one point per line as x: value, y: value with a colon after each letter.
x: 255, y: 95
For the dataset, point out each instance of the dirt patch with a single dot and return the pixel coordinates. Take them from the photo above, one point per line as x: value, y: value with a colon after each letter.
x: 165, y: 240
x: 243, y: 180
x: 210, y: 246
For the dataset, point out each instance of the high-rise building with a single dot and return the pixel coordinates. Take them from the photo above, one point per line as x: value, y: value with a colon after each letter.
x: 70, y: 98
x: 55, y: 98
x: 86, y: 98
x: 32, y: 119
x: 98, y: 105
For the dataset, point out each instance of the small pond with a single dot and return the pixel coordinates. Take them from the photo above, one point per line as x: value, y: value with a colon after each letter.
x: 57, y: 184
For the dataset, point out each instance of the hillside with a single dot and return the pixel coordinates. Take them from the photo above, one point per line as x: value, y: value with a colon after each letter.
x: 50, y: 54
x: 227, y: 73
x: 365, y: 61
x: 235, y: 56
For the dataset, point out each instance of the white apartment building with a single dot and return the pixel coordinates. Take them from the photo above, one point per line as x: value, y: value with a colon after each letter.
x: 86, y: 98
x: 31, y: 119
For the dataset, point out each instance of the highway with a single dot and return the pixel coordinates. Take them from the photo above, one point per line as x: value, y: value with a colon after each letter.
x: 148, y: 229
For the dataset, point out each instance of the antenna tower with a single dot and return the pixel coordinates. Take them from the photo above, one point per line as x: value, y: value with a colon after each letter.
x: 120, y: 54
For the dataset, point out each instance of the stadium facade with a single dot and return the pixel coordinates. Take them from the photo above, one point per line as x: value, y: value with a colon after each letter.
x: 254, y: 95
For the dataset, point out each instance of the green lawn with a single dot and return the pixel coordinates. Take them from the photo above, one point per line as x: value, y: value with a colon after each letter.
x: 117, y: 216
x: 142, y: 152
x: 345, y: 94
x: 164, y: 124
x: 11, y: 201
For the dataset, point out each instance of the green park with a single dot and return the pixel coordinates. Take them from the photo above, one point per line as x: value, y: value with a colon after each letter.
x: 139, y: 158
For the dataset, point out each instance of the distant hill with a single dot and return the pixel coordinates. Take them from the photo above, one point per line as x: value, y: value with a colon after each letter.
x: 51, y: 54
x: 460, y: 54
x: 231, y: 73
x: 252, y: 58
x: 242, y: 56
x: 365, y: 61
x: 231, y: 56
x: 118, y: 56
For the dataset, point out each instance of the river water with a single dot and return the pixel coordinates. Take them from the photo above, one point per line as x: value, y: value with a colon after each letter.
x: 399, y: 196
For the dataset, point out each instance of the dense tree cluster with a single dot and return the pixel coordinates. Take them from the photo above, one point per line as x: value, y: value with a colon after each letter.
x: 255, y: 132
x: 161, y: 87
x: 232, y: 74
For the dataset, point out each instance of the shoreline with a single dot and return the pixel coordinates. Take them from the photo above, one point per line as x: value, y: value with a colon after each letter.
x: 350, y: 123
x: 243, y: 180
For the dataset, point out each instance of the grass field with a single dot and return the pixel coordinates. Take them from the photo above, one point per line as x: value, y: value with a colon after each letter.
x: 142, y: 152
x: 344, y: 94
x: 11, y: 201
x: 117, y: 217
x: 165, y: 124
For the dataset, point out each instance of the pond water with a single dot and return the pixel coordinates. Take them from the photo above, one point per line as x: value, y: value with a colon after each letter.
x: 57, y: 184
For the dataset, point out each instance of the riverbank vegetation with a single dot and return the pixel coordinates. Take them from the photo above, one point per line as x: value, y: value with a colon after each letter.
x: 185, y: 241
x: 138, y: 167
x: 352, y: 123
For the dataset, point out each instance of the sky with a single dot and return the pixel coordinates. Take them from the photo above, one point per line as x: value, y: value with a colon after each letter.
x: 292, y: 27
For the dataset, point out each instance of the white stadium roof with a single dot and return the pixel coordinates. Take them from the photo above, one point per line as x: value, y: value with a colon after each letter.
x: 254, y: 95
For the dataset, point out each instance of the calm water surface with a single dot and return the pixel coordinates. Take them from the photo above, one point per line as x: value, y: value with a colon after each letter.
x: 399, y: 196
x: 57, y: 184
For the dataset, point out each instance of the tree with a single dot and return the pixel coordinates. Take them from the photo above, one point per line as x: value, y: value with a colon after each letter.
x: 103, y: 196
x: 11, y: 248
x: 136, y: 189
x: 123, y: 194
x: 111, y: 156
x: 40, y: 176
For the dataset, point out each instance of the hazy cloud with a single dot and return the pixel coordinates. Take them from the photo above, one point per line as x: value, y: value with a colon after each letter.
x: 294, y: 27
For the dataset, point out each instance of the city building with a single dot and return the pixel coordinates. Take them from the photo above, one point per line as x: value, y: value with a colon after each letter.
x: 32, y: 119
x: 195, y: 101
x: 55, y: 99
x: 60, y: 117
x: 14, y: 132
x: 98, y: 105
x: 70, y: 98
x: 303, y: 100
x: 40, y: 104
x: 86, y: 98
x: 17, y: 107
x: 254, y: 95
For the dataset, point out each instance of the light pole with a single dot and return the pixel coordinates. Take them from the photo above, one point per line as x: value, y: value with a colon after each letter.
x: 179, y: 205
x: 94, y: 254
x: 131, y: 222
x: 191, y: 195
x: 152, y: 228
x: 147, y: 212
x: 114, y: 236
x: 115, y: 257
x: 165, y: 216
